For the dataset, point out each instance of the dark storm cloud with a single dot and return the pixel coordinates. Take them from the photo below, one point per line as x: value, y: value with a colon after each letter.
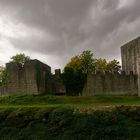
x: 74, y: 25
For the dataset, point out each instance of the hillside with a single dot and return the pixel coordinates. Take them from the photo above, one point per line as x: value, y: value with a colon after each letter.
x: 69, y: 118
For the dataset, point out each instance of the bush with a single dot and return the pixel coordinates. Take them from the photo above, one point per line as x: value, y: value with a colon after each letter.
x: 63, y: 124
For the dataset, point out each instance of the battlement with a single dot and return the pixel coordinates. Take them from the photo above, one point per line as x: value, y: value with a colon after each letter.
x: 35, y: 77
x: 114, y: 73
x: 111, y: 84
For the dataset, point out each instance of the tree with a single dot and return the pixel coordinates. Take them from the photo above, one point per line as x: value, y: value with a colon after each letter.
x: 100, y: 65
x: 88, y: 65
x: 113, y: 66
x: 75, y: 71
x: 74, y: 74
x: 3, y: 76
x: 87, y: 62
x: 20, y: 58
x: 74, y: 81
x: 75, y: 63
x: 83, y: 62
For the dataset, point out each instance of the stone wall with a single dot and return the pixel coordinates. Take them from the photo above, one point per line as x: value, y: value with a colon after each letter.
x: 42, y: 71
x: 111, y: 84
x: 127, y: 83
x: 3, y: 90
x: 34, y: 77
x: 59, y: 87
x: 23, y: 79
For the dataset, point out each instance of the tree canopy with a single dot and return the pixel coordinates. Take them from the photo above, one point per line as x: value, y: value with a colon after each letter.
x: 74, y: 81
x: 113, y: 66
x: 20, y: 58
x: 100, y: 65
x: 83, y: 62
x: 87, y: 64
x: 3, y: 76
x: 75, y: 63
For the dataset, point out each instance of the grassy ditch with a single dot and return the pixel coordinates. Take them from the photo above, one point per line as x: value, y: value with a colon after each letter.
x: 120, y: 123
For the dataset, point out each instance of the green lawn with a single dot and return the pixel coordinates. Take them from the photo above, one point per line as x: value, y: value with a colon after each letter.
x: 67, y: 101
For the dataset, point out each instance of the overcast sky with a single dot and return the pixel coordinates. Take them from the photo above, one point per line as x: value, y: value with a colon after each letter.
x: 55, y: 30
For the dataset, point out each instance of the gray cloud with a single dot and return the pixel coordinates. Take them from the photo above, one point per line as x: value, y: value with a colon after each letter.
x: 71, y: 26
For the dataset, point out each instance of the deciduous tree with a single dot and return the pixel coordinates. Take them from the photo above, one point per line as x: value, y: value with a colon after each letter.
x: 113, y: 66
x: 75, y: 71
x: 74, y: 81
x: 75, y: 63
x: 100, y: 65
x: 20, y: 58
x: 3, y: 76
x: 87, y: 62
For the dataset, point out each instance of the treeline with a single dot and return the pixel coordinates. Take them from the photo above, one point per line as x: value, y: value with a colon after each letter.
x: 86, y: 63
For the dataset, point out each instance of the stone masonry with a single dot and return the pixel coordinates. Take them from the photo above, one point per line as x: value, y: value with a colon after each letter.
x: 34, y: 77
x: 130, y: 53
x: 111, y: 84
x: 127, y: 83
x: 131, y: 58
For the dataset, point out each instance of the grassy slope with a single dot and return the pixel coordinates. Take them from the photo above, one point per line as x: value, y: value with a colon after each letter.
x: 65, y: 101
x: 69, y: 118
x: 122, y: 123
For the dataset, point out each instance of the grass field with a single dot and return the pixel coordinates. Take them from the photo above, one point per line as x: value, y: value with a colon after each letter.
x: 67, y: 101
x: 69, y: 118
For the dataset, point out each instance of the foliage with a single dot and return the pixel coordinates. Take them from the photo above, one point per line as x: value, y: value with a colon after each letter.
x: 74, y: 81
x: 100, y: 65
x: 83, y: 62
x: 75, y: 71
x: 20, y: 58
x: 75, y: 63
x: 87, y: 62
x: 74, y: 74
x: 63, y: 124
x: 3, y: 76
x: 113, y: 66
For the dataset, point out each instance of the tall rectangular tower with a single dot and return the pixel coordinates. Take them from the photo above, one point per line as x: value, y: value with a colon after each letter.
x: 130, y: 53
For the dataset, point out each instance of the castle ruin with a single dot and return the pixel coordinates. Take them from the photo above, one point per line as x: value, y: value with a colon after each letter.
x: 130, y: 53
x: 126, y: 83
x: 36, y: 78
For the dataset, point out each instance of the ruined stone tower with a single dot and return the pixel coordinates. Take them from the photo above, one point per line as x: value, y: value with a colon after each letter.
x: 130, y: 53
x: 34, y: 77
